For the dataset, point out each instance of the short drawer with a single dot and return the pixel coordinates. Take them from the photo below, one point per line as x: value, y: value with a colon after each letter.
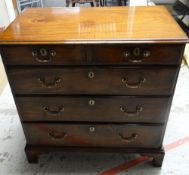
x: 44, y: 55
x: 94, y: 109
x: 138, y: 136
x: 142, y: 54
x: 93, y: 80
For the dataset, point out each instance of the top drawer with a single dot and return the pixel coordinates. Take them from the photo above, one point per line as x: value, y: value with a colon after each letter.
x: 44, y: 55
x: 137, y: 54
x: 105, y: 54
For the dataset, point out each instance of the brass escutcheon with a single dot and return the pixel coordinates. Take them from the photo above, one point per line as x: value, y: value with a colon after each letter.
x: 92, y: 129
x: 91, y: 102
x: 91, y: 74
x: 136, y: 52
x: 43, y: 52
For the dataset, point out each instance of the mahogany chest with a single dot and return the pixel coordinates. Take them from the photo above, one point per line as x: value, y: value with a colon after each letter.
x: 93, y: 79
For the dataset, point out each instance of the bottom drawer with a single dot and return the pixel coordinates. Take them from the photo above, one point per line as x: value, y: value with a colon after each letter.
x: 103, y: 135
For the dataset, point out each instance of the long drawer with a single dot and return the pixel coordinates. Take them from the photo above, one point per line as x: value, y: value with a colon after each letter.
x: 138, y: 136
x: 94, y: 80
x: 94, y: 109
x: 109, y: 54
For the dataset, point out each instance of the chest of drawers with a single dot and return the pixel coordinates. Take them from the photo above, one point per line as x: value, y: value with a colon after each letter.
x: 93, y: 79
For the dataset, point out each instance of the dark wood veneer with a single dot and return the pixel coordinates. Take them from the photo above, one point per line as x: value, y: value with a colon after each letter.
x: 107, y: 80
x: 107, y: 135
x: 93, y: 54
x: 22, y: 55
x: 158, y: 54
x: 105, y: 109
x: 87, y: 82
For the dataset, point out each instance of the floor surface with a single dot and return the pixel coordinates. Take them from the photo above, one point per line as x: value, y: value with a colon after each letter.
x: 12, y: 142
x: 3, y: 77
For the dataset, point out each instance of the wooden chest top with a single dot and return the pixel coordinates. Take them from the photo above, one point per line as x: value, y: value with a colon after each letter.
x: 151, y: 24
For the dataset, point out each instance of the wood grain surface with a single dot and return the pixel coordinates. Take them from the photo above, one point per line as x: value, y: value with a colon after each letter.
x: 105, y: 109
x: 120, y: 135
x: 106, y: 81
x: 94, y: 54
x: 97, y: 25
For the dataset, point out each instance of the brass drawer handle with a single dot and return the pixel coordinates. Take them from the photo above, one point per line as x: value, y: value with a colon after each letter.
x: 135, y: 60
x: 52, y: 53
x: 92, y: 102
x: 91, y: 74
x: 136, y: 56
x: 53, y: 84
x: 146, y: 53
x: 48, y: 110
x: 34, y: 53
x: 45, y: 60
x: 141, y: 80
x: 129, y: 113
x: 132, y: 59
x: 128, y: 139
x: 43, y: 55
x: 57, y: 136
x: 126, y: 54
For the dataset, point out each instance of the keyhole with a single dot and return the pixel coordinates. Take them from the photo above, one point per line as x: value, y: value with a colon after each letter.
x: 91, y: 75
x: 136, y: 52
x: 91, y: 102
x: 43, y: 52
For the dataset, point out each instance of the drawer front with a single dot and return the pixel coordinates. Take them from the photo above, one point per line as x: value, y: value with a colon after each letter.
x: 94, y: 109
x: 44, y: 55
x: 94, y: 135
x: 117, y: 54
x: 137, y: 54
x: 116, y: 81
